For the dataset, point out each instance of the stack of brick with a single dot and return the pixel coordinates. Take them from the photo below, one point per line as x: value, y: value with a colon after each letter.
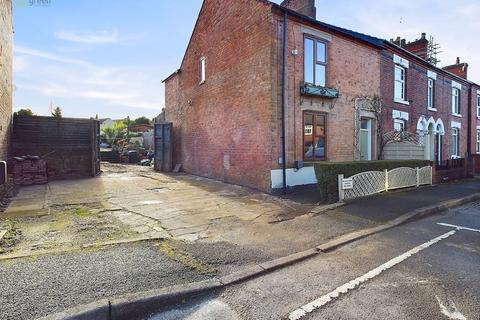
x: 29, y: 170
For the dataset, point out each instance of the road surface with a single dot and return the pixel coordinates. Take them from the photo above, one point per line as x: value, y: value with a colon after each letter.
x: 427, y: 269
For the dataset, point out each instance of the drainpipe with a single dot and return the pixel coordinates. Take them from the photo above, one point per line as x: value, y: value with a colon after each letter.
x: 469, y: 126
x: 284, y: 160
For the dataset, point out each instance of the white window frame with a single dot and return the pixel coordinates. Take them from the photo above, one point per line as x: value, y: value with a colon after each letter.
x: 400, y: 97
x: 203, y: 70
x: 431, y: 94
x: 478, y: 104
x: 478, y: 140
x: 455, y: 142
x: 456, y: 102
x: 400, y: 123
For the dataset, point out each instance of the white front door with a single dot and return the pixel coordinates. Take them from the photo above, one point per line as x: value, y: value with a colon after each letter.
x: 365, y: 139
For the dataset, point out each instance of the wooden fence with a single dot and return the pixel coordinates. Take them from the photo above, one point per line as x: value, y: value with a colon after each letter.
x: 70, y: 146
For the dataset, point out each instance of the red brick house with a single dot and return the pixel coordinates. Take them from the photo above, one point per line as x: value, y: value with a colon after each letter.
x: 252, y: 109
x: 421, y: 98
x: 6, y: 84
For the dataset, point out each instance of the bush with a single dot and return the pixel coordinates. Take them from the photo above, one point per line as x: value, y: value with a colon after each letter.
x: 327, y: 172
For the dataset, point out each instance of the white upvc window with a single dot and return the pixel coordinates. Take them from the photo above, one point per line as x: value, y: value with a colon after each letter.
x: 430, y: 94
x: 399, y: 90
x: 455, y: 101
x: 398, y: 125
x: 478, y: 140
x: 203, y: 71
x: 478, y: 104
x: 455, y: 142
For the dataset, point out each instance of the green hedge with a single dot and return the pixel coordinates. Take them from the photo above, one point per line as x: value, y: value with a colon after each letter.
x: 327, y: 172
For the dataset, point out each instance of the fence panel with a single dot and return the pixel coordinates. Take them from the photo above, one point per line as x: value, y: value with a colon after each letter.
x: 424, y: 176
x: 365, y: 184
x: 372, y: 182
x: 402, y: 178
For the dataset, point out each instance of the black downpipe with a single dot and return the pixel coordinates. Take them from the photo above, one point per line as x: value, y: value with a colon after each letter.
x: 470, y: 115
x: 284, y: 160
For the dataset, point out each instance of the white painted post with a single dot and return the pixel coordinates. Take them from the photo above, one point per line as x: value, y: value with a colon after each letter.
x: 418, y: 176
x: 341, y: 192
x: 386, y: 180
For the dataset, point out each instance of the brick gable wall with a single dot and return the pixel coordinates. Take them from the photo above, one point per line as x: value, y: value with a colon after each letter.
x: 223, y: 128
x: 6, y: 35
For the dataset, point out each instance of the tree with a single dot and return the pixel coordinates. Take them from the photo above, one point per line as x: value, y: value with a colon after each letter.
x: 141, y: 120
x: 114, y: 132
x: 57, y: 112
x: 24, y: 112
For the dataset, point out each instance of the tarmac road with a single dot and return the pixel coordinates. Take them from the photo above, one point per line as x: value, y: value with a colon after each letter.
x: 421, y: 270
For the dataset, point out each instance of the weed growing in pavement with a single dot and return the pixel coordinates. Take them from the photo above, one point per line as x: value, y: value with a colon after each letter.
x: 169, y: 249
x: 11, y: 237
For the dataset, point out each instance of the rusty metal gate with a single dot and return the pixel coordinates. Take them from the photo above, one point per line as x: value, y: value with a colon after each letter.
x: 163, y: 146
x: 95, y: 147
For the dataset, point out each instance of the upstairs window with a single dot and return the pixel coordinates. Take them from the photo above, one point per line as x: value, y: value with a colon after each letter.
x: 202, y: 70
x: 315, y: 62
x: 399, y: 93
x: 430, y: 93
x: 478, y: 105
x: 456, y: 101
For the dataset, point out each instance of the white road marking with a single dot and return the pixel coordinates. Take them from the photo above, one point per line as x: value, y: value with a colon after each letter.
x: 457, y: 227
x: 320, y: 302
x: 450, y: 310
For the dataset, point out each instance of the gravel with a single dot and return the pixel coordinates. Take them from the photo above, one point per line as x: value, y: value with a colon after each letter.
x: 32, y: 288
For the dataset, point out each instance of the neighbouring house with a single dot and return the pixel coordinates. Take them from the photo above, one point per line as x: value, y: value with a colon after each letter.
x: 434, y: 103
x: 265, y: 90
x: 141, y: 127
x: 6, y: 84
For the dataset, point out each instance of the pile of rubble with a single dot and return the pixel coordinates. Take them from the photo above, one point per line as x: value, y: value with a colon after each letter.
x: 28, y: 170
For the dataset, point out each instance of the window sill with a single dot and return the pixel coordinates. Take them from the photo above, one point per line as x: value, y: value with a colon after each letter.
x: 401, y: 102
x: 456, y: 115
x: 201, y: 82
x: 431, y: 109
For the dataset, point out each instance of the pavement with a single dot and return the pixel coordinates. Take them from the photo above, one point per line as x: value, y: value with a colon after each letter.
x: 199, y: 229
x: 391, y: 205
x: 420, y: 270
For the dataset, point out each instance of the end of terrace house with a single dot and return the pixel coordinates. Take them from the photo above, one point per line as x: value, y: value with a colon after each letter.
x: 266, y: 90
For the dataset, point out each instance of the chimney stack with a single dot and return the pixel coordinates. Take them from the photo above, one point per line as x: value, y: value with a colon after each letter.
x: 305, y: 7
x: 418, y: 47
x: 459, y: 68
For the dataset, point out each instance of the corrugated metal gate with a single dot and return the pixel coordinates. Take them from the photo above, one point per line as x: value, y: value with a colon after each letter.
x: 163, y: 146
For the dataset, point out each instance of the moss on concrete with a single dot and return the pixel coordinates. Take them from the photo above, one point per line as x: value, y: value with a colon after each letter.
x: 169, y: 249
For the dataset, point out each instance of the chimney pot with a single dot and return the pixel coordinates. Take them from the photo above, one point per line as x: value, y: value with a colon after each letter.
x: 458, y: 60
x: 424, y: 35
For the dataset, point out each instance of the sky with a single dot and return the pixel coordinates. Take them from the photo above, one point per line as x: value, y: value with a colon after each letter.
x: 109, y: 57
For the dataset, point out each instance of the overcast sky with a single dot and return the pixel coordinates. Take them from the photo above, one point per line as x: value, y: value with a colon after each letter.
x: 109, y: 57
